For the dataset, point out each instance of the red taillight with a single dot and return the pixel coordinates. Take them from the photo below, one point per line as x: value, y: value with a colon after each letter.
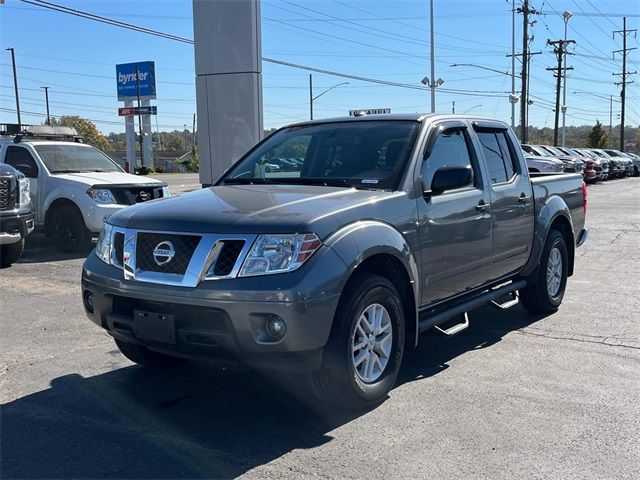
x: 584, y: 196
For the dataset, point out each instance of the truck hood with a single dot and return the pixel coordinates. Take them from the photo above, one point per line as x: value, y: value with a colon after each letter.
x: 105, y: 178
x: 257, y: 209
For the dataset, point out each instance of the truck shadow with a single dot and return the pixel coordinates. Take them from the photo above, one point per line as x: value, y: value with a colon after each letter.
x: 193, y: 422
x: 40, y: 249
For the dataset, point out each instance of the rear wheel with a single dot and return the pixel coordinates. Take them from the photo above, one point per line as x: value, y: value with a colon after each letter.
x: 362, y: 358
x: 143, y: 356
x: 546, y: 289
x: 10, y: 253
x: 69, y: 231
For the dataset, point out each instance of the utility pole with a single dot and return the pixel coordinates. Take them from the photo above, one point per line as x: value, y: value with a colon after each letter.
x: 610, y: 114
x: 512, y: 97
x: 310, y: 97
x: 566, y: 16
x: 15, y: 86
x: 193, y: 132
x: 526, y: 11
x: 623, y: 76
x: 560, y: 50
x: 433, y: 62
x: 46, y: 98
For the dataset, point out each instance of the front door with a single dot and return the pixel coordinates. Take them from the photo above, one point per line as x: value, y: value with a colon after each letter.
x: 455, y: 226
x: 21, y: 159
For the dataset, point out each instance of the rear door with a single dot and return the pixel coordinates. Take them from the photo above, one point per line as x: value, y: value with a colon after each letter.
x: 512, y: 207
x: 455, y: 226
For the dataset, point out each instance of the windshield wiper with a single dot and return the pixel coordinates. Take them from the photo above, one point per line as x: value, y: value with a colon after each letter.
x: 325, y: 182
x: 246, y: 181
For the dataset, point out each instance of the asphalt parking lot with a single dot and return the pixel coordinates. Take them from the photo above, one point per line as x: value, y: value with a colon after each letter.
x: 514, y: 396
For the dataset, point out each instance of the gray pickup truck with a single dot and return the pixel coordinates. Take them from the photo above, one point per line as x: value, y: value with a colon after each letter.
x: 332, y: 244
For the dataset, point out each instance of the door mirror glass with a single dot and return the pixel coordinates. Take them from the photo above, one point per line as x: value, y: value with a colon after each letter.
x: 449, y: 178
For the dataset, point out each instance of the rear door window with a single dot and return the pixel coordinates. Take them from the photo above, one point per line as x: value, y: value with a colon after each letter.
x: 501, y: 161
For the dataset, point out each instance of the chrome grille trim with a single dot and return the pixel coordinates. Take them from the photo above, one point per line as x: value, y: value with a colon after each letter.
x: 204, y: 257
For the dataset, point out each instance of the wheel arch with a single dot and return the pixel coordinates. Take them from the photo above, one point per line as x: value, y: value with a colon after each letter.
x: 378, y: 248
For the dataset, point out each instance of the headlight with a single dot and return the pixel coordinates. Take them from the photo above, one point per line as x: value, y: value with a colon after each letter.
x: 103, y: 247
x: 166, y: 192
x: 101, y: 195
x: 559, y: 167
x: 23, y: 186
x: 279, y: 253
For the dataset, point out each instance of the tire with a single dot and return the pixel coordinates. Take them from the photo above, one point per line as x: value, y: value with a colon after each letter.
x: 545, y: 290
x: 10, y: 253
x: 69, y: 231
x: 636, y: 172
x: 339, y: 381
x: 143, y: 356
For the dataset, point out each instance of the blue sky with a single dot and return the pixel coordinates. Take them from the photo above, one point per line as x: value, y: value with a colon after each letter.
x: 384, y: 39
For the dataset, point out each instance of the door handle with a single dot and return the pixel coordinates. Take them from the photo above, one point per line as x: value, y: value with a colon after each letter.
x: 523, y: 198
x: 481, y: 206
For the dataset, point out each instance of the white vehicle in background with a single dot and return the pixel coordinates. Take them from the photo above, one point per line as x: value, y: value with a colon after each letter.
x: 543, y: 164
x: 74, y: 186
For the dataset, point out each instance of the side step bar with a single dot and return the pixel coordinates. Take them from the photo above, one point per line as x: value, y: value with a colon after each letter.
x: 456, y: 328
x: 515, y: 299
x: 489, y: 296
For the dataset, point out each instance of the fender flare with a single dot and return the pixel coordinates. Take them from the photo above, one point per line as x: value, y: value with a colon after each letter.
x: 553, y: 208
x: 358, y: 241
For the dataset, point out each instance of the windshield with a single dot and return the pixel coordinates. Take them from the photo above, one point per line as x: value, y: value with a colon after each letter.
x: 368, y: 154
x: 63, y: 158
x: 554, y: 151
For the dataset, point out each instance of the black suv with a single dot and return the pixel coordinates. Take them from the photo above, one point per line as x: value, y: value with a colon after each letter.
x: 16, y: 214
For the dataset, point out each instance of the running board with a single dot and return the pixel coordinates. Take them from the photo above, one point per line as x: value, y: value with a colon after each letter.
x: 456, y: 328
x: 482, y: 299
x: 515, y: 299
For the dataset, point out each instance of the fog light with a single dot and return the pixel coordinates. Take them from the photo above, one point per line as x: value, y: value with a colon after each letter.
x: 88, y: 301
x: 276, y: 327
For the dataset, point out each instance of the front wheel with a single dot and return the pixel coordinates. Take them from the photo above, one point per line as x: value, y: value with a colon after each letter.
x: 10, y: 253
x: 69, y: 231
x: 546, y: 289
x: 363, y: 355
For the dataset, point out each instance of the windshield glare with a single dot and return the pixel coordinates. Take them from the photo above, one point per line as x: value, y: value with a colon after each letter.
x: 367, y: 154
x: 60, y: 158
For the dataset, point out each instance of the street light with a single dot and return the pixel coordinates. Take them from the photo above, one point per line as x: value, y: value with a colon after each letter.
x: 566, y: 16
x: 312, y: 98
x: 475, y: 106
x: 432, y: 85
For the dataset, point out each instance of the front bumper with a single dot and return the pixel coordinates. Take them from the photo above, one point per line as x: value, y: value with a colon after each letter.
x: 224, y: 320
x: 15, y: 226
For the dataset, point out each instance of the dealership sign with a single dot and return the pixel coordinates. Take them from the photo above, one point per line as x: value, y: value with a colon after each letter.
x: 126, y: 111
x: 136, y: 80
x: 369, y: 111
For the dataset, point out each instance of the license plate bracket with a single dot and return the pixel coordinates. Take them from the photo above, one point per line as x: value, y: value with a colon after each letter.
x: 156, y: 327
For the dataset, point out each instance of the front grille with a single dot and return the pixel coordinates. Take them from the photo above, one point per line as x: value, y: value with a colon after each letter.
x: 228, y: 257
x: 131, y: 196
x: 6, y: 195
x: 183, y: 246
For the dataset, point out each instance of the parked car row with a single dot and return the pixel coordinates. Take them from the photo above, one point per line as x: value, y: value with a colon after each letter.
x: 594, y: 164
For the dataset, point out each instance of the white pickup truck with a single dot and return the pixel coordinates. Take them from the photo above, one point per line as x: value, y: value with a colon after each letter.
x: 74, y: 186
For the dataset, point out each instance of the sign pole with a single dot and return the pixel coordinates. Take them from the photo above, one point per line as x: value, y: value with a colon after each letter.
x: 139, y: 115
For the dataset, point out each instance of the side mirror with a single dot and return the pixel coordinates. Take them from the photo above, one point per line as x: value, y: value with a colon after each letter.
x: 449, y: 178
x: 27, y: 170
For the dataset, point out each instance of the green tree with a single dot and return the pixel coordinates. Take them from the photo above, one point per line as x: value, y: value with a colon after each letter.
x: 85, y: 128
x: 598, y: 137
